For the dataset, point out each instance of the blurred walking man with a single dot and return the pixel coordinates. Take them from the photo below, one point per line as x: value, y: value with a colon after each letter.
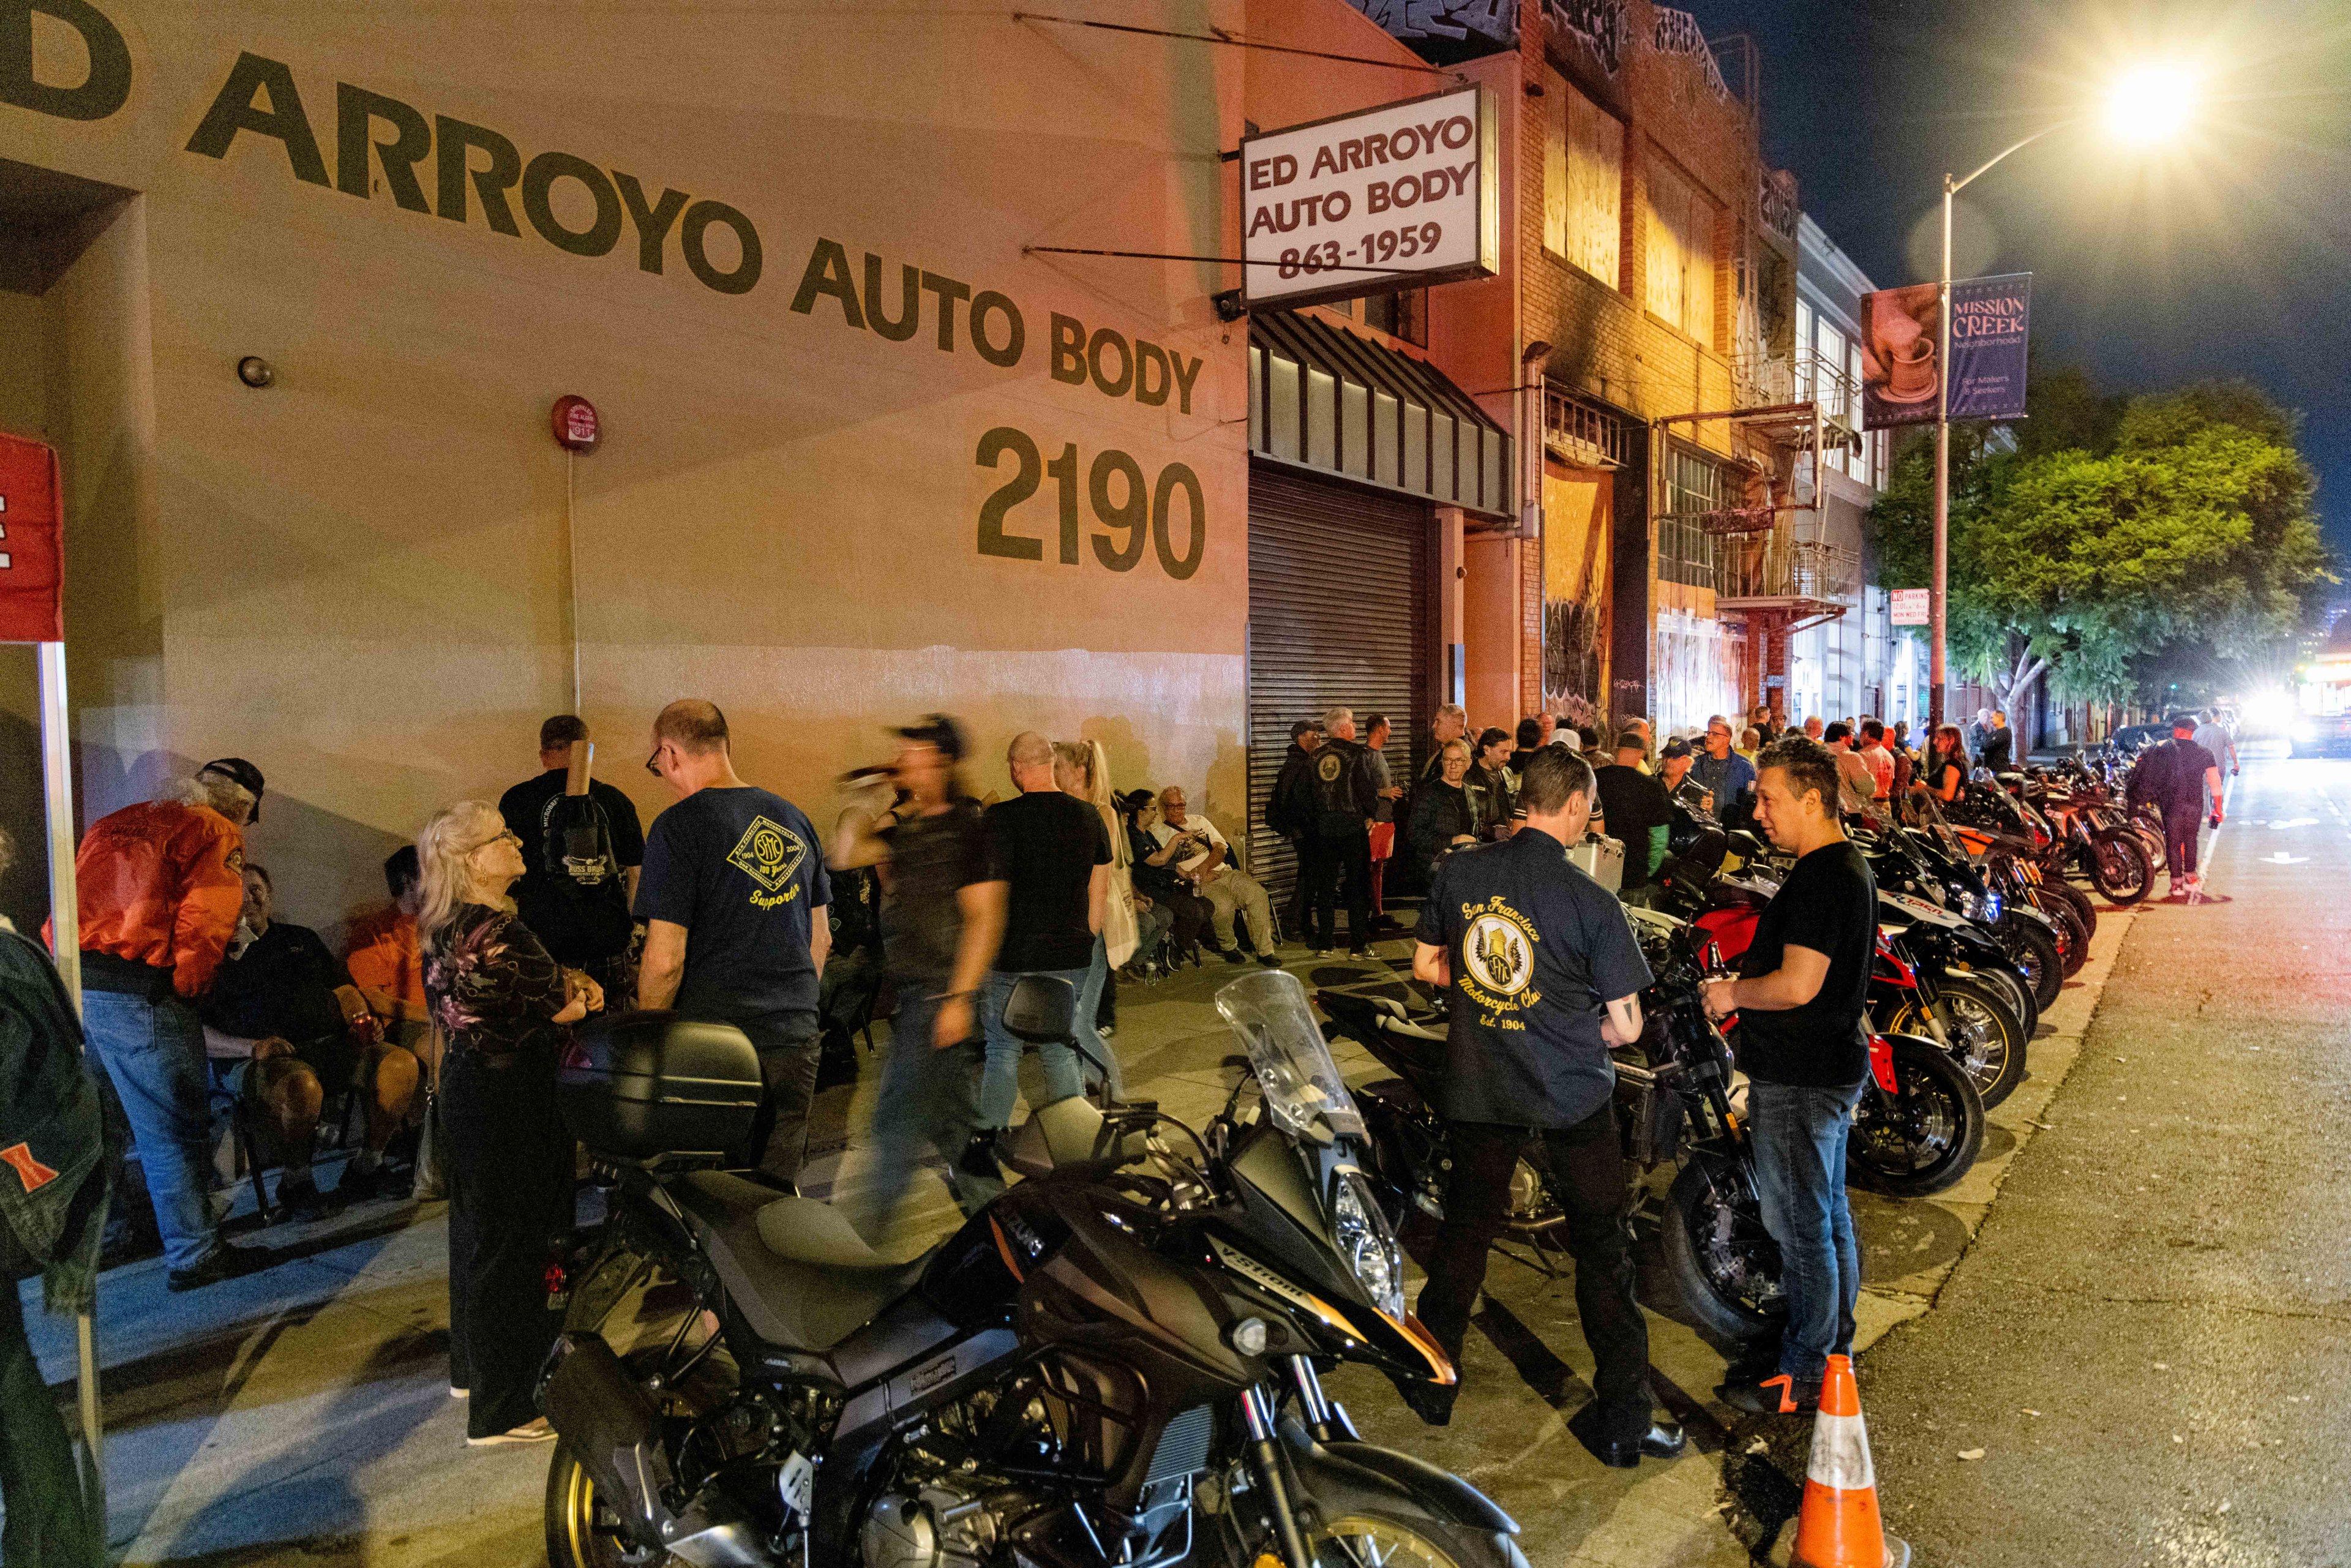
x: 941, y: 921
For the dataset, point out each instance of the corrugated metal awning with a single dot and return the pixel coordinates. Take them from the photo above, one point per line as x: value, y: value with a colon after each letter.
x: 1325, y: 400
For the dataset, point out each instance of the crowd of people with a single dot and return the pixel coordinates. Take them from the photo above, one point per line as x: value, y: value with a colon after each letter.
x: 436, y: 1035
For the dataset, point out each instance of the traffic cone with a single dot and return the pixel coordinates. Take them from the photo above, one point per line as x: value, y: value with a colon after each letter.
x: 1839, y: 1526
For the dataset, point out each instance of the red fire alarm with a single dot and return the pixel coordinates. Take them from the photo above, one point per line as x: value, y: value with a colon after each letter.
x: 577, y: 426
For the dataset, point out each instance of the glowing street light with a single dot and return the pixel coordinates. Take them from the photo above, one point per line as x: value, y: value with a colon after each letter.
x: 2146, y: 106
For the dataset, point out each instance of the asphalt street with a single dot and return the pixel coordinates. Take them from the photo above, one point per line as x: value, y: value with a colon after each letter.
x: 2149, y: 1341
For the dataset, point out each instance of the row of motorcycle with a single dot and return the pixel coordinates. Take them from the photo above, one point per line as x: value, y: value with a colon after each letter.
x: 1980, y: 924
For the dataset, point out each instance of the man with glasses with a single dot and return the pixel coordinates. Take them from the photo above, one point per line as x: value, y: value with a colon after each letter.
x: 733, y: 895
x: 1720, y: 771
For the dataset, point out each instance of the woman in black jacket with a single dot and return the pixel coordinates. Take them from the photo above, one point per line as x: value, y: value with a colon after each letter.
x: 1191, y: 913
x: 1443, y: 815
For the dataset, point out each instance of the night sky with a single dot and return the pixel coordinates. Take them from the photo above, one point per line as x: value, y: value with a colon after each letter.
x: 2227, y: 255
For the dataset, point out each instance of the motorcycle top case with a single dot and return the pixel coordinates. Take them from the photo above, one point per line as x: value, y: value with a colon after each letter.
x: 641, y: 1085
x: 1601, y: 858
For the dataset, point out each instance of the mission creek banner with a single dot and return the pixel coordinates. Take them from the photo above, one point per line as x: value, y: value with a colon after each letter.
x: 1903, y: 354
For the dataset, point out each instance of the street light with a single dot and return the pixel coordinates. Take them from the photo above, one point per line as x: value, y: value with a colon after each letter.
x: 2146, y: 106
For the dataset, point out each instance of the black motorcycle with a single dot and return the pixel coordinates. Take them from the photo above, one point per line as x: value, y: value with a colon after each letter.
x: 1116, y: 1362
x: 1673, y: 1105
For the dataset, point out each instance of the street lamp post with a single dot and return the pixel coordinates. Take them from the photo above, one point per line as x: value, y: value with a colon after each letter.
x: 2147, y: 105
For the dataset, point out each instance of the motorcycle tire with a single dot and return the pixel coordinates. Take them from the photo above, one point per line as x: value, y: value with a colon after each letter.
x: 1731, y: 1287
x: 2120, y: 867
x: 2065, y: 928
x: 1925, y: 1136
x: 2035, y: 953
x: 2052, y: 892
x: 582, y: 1531
x: 1990, y: 1041
x: 1384, y: 1536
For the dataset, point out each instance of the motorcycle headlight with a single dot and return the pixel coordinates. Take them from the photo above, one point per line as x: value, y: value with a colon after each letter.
x: 1992, y: 906
x: 1369, y: 1247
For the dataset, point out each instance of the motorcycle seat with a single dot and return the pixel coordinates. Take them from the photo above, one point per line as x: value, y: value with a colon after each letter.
x: 795, y: 1268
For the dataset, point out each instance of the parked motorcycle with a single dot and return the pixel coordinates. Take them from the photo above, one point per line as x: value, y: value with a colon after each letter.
x: 1115, y: 1363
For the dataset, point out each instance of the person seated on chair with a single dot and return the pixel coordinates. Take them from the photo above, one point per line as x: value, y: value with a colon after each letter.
x: 379, y: 955
x: 311, y: 1034
x: 1202, y: 861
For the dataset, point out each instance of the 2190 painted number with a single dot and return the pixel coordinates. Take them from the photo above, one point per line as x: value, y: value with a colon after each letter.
x: 1120, y: 501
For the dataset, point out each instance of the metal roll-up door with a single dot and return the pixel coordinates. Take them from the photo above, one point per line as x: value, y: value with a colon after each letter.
x: 1340, y: 615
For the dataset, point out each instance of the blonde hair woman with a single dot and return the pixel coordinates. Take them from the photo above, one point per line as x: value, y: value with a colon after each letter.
x: 1083, y: 768
x: 501, y: 1004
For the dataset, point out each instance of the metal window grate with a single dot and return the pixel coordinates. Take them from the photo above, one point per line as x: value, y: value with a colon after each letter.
x: 1581, y: 434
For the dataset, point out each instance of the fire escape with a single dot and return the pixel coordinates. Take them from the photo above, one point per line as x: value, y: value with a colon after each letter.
x: 1773, y: 572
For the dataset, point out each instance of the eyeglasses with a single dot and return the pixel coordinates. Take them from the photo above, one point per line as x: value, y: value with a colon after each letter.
x: 653, y: 763
x: 508, y: 837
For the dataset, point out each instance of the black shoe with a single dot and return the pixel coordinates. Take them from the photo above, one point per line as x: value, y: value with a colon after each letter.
x: 356, y: 1185
x: 299, y: 1197
x: 1270, y: 960
x: 979, y: 1156
x: 1774, y: 1395
x: 1432, y: 1402
x: 220, y: 1263
x: 1235, y: 955
x: 1663, y: 1440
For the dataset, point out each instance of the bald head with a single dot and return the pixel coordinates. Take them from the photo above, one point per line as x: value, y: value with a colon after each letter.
x: 1030, y: 759
x: 692, y: 725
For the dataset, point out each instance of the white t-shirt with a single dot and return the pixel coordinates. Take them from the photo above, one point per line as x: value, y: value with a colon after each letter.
x: 1192, y: 824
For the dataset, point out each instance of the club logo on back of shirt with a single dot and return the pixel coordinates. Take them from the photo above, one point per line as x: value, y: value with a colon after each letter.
x: 770, y: 854
x: 1497, y: 957
x: 1331, y: 766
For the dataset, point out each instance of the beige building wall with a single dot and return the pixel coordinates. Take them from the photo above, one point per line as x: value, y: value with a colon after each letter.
x: 356, y: 576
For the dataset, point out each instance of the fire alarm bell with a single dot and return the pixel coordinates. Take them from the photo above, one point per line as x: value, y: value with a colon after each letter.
x: 577, y: 426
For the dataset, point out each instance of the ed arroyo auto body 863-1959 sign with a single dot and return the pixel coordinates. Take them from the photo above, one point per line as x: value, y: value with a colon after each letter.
x: 1393, y: 197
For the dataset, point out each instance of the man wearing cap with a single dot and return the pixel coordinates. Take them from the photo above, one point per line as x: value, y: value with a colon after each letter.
x: 1673, y: 762
x: 161, y: 885
x: 2176, y: 777
x: 583, y: 854
x: 941, y: 924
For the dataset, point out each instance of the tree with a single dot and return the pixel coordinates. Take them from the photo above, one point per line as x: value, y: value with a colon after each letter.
x: 2187, y: 521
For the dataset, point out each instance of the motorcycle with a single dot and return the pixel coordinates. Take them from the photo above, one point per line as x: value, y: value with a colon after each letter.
x: 1117, y: 1362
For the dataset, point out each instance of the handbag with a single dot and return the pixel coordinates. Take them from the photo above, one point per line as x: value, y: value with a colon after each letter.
x: 1121, y: 933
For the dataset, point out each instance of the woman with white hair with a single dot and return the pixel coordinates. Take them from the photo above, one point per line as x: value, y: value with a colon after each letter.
x: 501, y: 1004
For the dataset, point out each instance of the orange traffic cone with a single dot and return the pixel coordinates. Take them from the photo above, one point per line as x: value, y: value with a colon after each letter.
x: 1839, y: 1525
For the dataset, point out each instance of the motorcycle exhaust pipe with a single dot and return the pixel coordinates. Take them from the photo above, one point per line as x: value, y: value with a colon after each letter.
x: 614, y: 1431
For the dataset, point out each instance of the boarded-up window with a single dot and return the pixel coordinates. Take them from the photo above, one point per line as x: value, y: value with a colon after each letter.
x: 1681, y: 252
x: 1584, y: 180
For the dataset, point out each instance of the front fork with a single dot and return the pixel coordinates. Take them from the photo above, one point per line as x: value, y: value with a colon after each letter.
x: 1323, y: 1416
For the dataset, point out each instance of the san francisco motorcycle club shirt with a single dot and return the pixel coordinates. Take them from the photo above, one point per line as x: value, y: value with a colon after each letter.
x: 1829, y: 904
x: 1538, y: 951
x: 741, y: 870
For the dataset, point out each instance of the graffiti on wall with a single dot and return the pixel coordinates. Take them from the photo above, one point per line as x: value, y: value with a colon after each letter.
x: 1597, y: 25
x: 1447, y: 30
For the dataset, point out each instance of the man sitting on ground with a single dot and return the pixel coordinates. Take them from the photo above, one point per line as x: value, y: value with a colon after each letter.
x: 1202, y: 858
x: 281, y: 997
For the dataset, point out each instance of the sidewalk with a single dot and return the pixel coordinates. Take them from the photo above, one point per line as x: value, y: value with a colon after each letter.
x: 302, y: 1414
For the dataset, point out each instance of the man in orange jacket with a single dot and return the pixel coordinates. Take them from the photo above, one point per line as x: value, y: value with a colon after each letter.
x: 161, y: 885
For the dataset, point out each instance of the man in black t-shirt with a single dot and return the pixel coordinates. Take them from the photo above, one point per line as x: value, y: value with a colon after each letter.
x: 2176, y: 777
x: 941, y: 925
x: 734, y: 897
x: 1051, y: 853
x: 1803, y: 1042
x: 1543, y: 977
x: 582, y: 855
x: 1633, y: 809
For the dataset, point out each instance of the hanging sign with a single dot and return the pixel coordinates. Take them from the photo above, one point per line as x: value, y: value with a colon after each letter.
x: 1911, y: 607
x: 32, y: 543
x: 1387, y: 198
x: 1903, y: 354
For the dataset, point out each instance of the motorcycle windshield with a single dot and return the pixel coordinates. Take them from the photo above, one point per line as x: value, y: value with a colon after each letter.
x: 1304, y: 1094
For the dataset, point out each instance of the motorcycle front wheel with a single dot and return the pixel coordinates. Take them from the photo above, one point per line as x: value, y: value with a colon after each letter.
x: 1726, y: 1267
x: 2056, y: 889
x: 1356, y: 1539
x: 1924, y: 1136
x: 1983, y: 1029
x: 2071, y: 931
x: 2035, y: 952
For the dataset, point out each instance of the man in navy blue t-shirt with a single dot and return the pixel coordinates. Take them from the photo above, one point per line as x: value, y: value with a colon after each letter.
x: 732, y: 897
x: 1542, y: 976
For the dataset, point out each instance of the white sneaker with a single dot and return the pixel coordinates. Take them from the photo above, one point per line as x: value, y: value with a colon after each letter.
x: 457, y: 1393
x: 536, y: 1431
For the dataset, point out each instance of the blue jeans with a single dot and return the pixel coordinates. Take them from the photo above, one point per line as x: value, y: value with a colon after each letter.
x: 999, y: 1084
x: 1090, y: 996
x: 1799, y: 1138
x: 928, y: 1103
x: 154, y: 1053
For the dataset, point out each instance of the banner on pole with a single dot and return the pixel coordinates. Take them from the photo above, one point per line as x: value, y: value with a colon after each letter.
x: 1911, y: 607
x: 1903, y: 355
x: 32, y: 543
